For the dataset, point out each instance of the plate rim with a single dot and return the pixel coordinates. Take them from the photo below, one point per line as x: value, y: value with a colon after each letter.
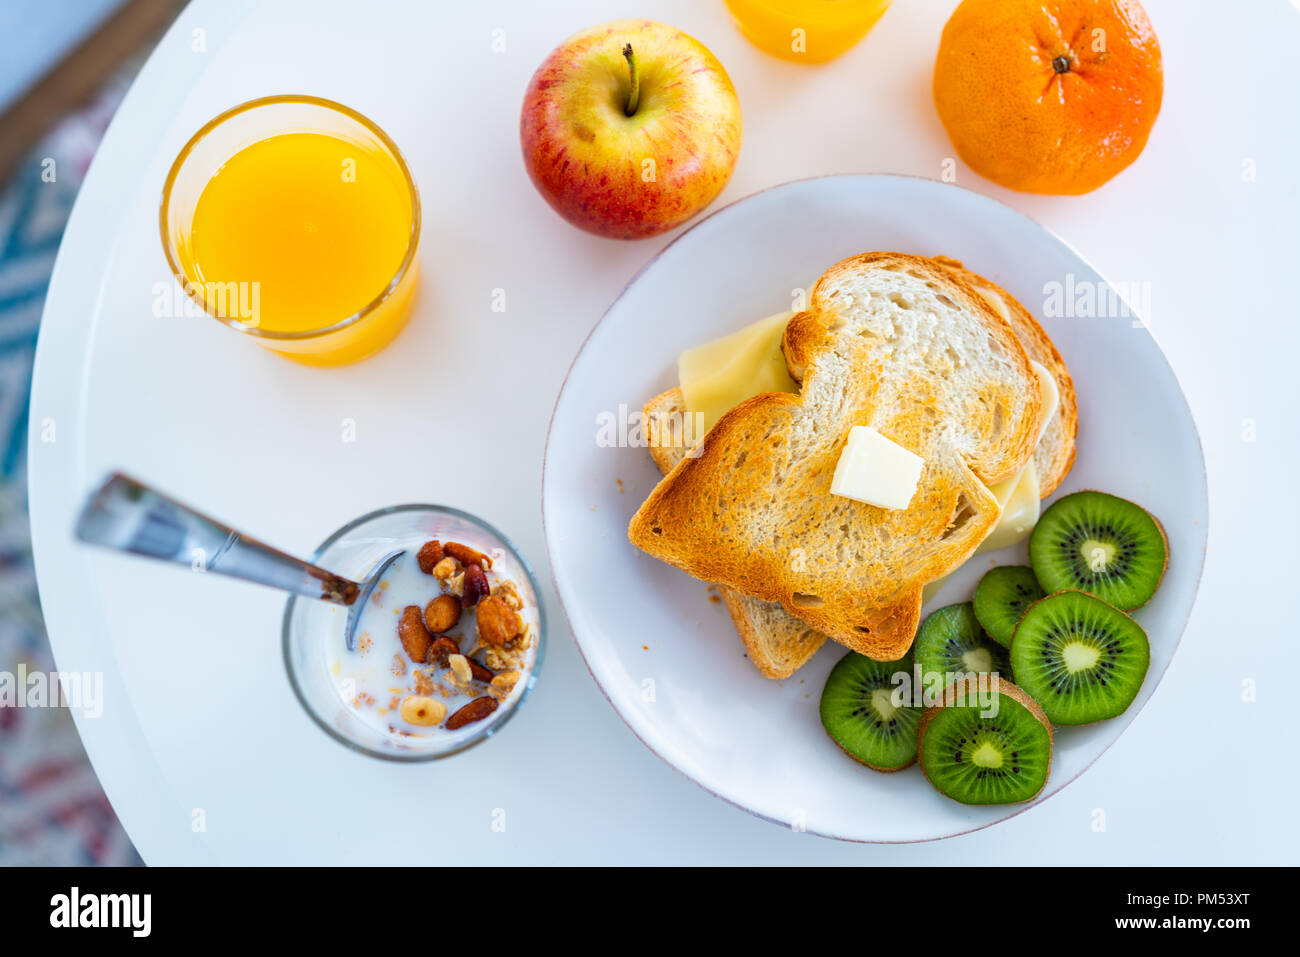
x: 548, y: 537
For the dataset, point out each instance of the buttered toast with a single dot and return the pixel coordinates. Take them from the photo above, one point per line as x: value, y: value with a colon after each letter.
x: 778, y: 643
x: 895, y: 342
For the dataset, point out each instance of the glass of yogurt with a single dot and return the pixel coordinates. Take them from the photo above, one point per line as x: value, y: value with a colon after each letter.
x: 448, y: 645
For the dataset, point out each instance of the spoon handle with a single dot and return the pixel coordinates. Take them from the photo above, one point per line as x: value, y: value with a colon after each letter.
x: 128, y: 516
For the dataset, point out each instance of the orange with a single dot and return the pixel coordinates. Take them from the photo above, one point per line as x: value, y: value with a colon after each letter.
x: 1048, y: 96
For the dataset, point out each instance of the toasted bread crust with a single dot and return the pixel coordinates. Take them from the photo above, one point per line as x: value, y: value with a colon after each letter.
x: 760, y: 479
x: 777, y: 644
x: 1054, y: 455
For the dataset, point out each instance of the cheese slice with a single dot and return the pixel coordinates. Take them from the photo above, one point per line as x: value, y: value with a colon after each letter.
x: 719, y: 375
x: 1050, y: 392
x: 1020, y: 503
x: 1018, y: 497
x: 997, y: 302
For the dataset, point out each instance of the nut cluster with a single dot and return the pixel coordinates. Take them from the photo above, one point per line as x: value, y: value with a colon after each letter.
x: 502, y: 636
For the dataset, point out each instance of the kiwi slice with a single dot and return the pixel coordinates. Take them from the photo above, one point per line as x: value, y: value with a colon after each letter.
x: 993, y: 747
x: 1001, y: 598
x: 1101, y: 544
x: 951, y: 642
x: 859, y: 713
x: 1080, y: 658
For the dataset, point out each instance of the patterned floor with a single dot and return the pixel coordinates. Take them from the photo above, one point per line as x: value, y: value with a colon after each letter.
x: 52, y: 810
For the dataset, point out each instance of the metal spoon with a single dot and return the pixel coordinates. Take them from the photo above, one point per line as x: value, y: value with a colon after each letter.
x: 128, y: 516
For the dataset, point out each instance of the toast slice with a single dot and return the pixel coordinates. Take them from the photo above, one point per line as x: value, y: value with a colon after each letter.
x: 777, y: 643
x: 895, y: 342
x: 1054, y: 454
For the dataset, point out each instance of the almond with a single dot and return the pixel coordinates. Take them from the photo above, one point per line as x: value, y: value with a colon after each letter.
x: 479, y: 671
x: 415, y: 638
x: 476, y: 710
x: 466, y: 555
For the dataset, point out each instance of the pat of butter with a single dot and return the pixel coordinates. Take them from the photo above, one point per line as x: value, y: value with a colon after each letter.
x: 875, y: 470
x: 719, y: 375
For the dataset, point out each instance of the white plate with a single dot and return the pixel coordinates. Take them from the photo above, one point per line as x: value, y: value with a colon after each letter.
x: 667, y: 658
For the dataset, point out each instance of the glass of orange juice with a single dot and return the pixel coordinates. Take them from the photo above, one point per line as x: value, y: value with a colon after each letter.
x: 296, y: 221
x: 806, y: 31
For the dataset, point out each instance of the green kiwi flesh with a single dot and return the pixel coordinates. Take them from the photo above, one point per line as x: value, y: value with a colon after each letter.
x: 951, y: 642
x: 859, y: 713
x: 1080, y: 658
x: 1001, y: 598
x: 1101, y: 544
x: 976, y: 757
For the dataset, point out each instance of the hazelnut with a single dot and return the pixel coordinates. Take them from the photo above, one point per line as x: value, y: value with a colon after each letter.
x: 429, y: 555
x: 442, y: 614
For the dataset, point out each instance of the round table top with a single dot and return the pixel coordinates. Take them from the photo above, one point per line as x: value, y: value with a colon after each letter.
x: 201, y: 747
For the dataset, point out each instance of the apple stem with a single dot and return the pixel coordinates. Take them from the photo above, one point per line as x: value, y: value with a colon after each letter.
x: 634, y: 97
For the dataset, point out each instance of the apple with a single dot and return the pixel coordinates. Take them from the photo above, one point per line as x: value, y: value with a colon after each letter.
x: 630, y: 128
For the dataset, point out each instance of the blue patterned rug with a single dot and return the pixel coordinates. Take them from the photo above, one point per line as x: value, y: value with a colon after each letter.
x: 52, y: 810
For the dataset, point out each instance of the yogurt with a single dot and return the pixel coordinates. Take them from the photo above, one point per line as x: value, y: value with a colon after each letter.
x: 473, y: 677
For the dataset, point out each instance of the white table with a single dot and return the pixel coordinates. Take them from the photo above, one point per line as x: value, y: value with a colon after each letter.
x: 201, y: 747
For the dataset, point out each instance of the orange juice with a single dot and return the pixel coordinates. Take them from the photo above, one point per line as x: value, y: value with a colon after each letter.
x: 806, y: 31
x: 294, y: 220
x: 312, y: 228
